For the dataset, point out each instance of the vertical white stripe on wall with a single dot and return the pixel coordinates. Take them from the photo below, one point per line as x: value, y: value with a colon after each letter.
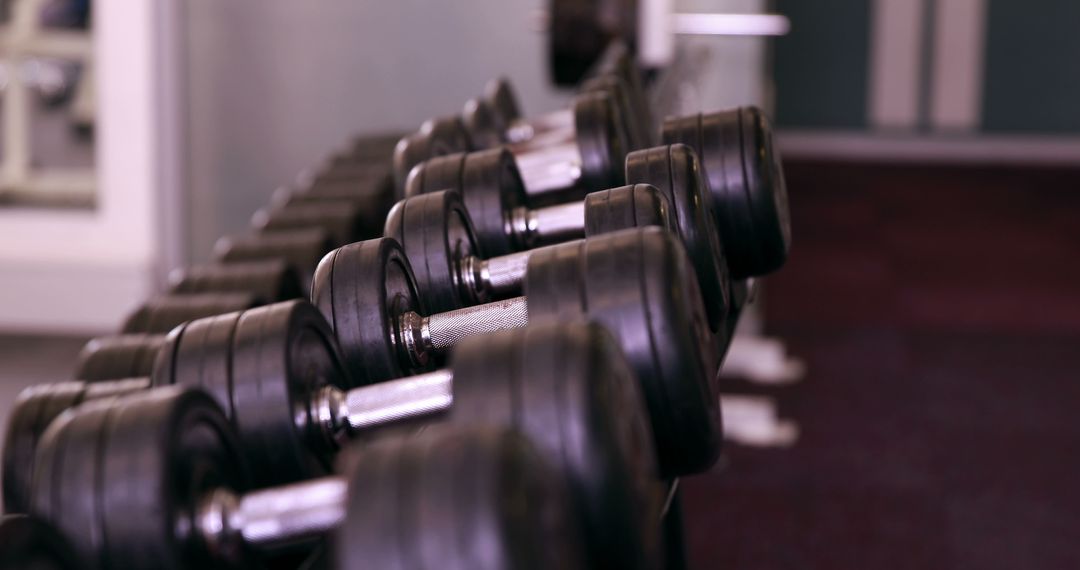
x: 896, y: 43
x: 956, y: 91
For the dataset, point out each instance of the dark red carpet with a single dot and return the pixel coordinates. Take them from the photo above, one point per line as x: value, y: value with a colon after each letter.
x: 938, y: 310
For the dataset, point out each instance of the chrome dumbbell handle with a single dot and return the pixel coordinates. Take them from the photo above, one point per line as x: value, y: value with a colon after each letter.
x: 549, y: 168
x: 418, y: 337
x: 228, y: 523
x: 551, y: 224
x: 338, y: 414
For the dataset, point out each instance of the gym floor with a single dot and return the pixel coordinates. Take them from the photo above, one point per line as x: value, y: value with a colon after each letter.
x: 938, y: 311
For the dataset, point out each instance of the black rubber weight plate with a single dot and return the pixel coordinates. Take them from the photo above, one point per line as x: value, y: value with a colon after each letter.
x: 282, y: 354
x: 602, y: 141
x: 116, y: 475
x: 674, y: 170
x: 118, y: 356
x: 660, y: 324
x: 571, y: 391
x: 33, y: 412
x: 626, y: 207
x: 270, y: 280
x: 455, y: 498
x: 435, y: 232
x: 362, y: 289
x: 747, y: 182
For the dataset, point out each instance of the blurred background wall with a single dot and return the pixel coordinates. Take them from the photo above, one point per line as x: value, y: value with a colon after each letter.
x: 274, y: 85
x: 207, y: 107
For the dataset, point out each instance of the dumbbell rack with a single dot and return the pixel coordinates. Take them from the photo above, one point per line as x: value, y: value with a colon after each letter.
x: 358, y: 178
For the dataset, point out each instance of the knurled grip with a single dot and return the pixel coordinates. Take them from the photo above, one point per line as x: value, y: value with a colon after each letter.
x: 444, y: 330
x: 401, y: 399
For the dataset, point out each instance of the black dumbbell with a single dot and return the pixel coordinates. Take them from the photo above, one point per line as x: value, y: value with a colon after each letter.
x: 506, y: 379
x: 494, y: 119
x: 301, y: 249
x: 29, y: 543
x: 583, y: 408
x: 345, y: 221
x: 163, y: 312
x: 635, y: 282
x: 118, y: 356
x: 581, y: 33
x: 617, y: 61
x: 436, y: 233
x: 494, y: 196
x: 269, y: 280
x: 436, y: 137
x: 747, y: 183
x: 153, y: 480
x: 32, y: 412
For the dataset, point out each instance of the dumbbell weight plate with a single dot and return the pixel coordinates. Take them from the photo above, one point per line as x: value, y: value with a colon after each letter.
x: 455, y: 500
x: 163, y: 312
x: 632, y: 125
x: 341, y: 219
x: 490, y: 187
x: 677, y: 165
x: 121, y: 479
x: 302, y: 249
x: 261, y: 366
x: 637, y: 206
x: 664, y: 352
x: 434, y: 230
x: 33, y: 411
x: 573, y: 394
x: 602, y: 141
x: 436, y: 137
x: 619, y: 62
x: 32, y: 544
x: 362, y: 289
x: 118, y: 356
x: 271, y: 280
x: 580, y: 31
x: 747, y: 182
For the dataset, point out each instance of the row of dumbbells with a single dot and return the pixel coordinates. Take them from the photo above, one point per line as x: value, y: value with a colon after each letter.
x: 614, y: 409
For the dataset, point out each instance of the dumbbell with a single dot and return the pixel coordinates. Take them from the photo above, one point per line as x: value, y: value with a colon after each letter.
x: 29, y: 543
x: 32, y: 412
x: 345, y: 221
x: 494, y: 118
x: 637, y: 283
x: 737, y: 153
x: 436, y: 137
x: 154, y: 480
x: 583, y: 409
x: 269, y: 280
x: 302, y: 249
x: 118, y: 356
x: 495, y: 199
x: 747, y: 183
x: 435, y: 231
x: 617, y: 61
x: 163, y: 312
x: 372, y: 197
